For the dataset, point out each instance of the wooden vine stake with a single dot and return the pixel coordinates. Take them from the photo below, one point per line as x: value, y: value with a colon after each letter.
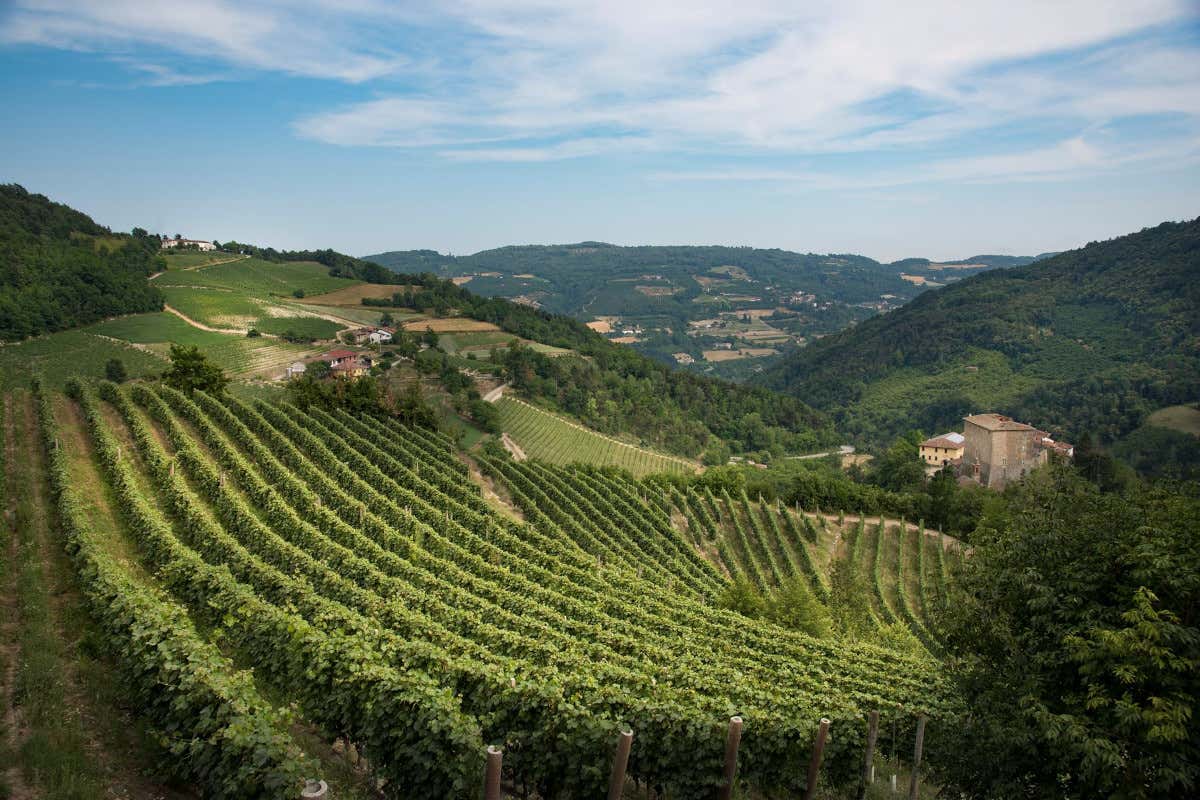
x: 616, y: 781
x: 868, y: 773
x: 814, y: 764
x: 916, y: 765
x: 732, y: 740
x: 491, y: 781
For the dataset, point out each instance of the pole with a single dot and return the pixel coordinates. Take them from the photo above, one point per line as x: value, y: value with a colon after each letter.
x: 616, y: 781
x: 868, y: 775
x: 491, y: 781
x: 732, y: 740
x: 814, y: 765
x: 916, y: 765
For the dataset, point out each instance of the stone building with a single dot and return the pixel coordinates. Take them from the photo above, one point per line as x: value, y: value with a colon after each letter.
x: 998, y: 449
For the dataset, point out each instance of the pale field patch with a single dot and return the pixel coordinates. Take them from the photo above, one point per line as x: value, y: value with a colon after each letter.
x: 449, y: 325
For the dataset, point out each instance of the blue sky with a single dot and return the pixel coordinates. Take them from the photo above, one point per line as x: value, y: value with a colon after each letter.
x: 942, y: 129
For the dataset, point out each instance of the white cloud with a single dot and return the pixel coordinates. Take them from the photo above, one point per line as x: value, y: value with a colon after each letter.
x: 534, y: 80
x: 298, y: 39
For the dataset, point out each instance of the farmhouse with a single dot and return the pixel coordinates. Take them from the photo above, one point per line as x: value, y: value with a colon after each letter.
x: 684, y: 358
x: 199, y: 244
x: 296, y: 368
x: 373, y: 335
x: 941, y: 451
x: 346, y: 363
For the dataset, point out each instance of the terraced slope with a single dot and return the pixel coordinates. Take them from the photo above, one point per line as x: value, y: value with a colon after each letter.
x: 904, y: 566
x: 355, y: 567
x: 556, y: 440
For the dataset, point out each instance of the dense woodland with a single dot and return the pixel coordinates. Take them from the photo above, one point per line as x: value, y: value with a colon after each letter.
x: 1087, y: 342
x: 59, y: 269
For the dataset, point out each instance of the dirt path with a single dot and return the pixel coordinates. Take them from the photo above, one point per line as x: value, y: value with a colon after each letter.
x: 512, y: 446
x: 98, y: 744
x: 200, y: 266
x: 209, y: 328
x: 495, y: 394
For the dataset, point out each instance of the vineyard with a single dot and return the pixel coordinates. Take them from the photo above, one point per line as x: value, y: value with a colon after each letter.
x: 553, y: 439
x: 905, y: 566
x: 353, y: 565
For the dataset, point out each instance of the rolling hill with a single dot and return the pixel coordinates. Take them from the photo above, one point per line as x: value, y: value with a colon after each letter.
x: 684, y: 304
x: 1089, y: 341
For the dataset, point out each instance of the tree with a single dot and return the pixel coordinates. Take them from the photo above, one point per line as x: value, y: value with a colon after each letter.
x: 115, y: 370
x: 387, y: 320
x: 190, y: 369
x: 742, y: 596
x: 793, y: 606
x: 298, y: 293
x: 900, y: 468
x: 1075, y: 634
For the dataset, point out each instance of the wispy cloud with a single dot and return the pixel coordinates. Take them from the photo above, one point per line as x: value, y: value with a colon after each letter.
x: 306, y: 38
x: 541, y: 80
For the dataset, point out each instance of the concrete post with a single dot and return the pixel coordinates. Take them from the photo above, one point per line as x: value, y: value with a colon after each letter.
x: 732, y: 740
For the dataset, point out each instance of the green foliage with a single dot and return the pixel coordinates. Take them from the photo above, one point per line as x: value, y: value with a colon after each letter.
x: 1090, y: 340
x: 190, y: 370
x: 615, y: 389
x: 557, y: 440
x: 1076, y: 635
x: 741, y: 595
x: 220, y: 732
x: 900, y: 468
x: 792, y: 605
x: 849, y: 601
x: 59, y: 269
x: 114, y: 370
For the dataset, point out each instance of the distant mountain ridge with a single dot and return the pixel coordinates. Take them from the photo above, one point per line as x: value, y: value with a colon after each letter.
x: 1086, y: 341
x: 574, y: 276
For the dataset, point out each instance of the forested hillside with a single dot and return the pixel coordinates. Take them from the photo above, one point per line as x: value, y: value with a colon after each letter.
x: 1087, y: 342
x: 59, y: 269
x: 614, y: 389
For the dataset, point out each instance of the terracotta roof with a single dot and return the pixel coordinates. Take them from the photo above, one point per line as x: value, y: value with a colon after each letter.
x: 335, y: 355
x: 951, y: 441
x: 997, y: 422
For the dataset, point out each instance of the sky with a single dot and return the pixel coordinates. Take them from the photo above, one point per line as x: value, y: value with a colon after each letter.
x: 936, y: 129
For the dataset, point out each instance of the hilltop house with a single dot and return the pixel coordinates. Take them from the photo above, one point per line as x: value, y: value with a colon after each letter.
x: 998, y: 449
x: 942, y: 451
x: 199, y: 244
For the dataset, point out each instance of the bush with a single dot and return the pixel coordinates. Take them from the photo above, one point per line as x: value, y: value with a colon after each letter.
x: 115, y: 370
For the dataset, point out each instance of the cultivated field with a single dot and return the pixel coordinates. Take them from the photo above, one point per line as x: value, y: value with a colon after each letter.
x: 448, y: 325
x: 241, y: 356
x: 353, y: 295
x: 355, y: 567
x: 556, y: 440
x: 1185, y: 419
